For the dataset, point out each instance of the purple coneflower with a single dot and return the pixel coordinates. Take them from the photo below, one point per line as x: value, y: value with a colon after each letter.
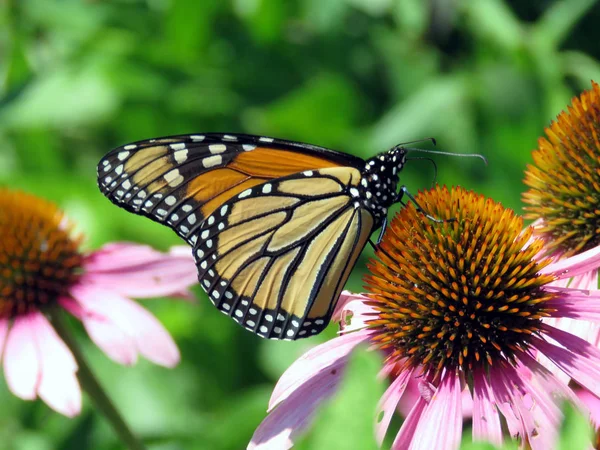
x: 42, y: 268
x: 459, y: 306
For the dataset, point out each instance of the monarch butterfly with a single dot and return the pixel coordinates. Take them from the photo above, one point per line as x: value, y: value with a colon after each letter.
x: 276, y: 226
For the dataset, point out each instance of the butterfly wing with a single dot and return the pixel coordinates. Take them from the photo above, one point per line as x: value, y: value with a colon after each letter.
x: 277, y: 255
x: 274, y: 228
x: 168, y: 178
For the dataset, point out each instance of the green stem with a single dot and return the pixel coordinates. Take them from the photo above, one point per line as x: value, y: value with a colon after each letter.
x: 90, y: 384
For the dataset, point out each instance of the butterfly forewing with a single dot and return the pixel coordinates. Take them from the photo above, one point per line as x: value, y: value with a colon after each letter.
x: 190, y: 176
x: 276, y: 256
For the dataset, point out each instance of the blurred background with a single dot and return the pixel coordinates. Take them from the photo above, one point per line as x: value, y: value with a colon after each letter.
x: 78, y: 78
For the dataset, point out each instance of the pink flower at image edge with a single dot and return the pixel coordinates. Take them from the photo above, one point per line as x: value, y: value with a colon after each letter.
x: 38, y: 363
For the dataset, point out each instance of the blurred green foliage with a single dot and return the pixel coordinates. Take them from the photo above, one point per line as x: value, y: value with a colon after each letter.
x: 78, y: 78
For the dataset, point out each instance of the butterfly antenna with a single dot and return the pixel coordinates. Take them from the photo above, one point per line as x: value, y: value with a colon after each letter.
x: 436, y: 152
x: 429, y: 139
x: 435, y: 169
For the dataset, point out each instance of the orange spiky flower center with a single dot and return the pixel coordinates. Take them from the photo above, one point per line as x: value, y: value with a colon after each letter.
x: 464, y: 293
x: 39, y: 257
x: 564, y: 180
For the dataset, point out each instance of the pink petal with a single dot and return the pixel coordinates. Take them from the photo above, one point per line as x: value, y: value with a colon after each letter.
x: 525, y: 418
x: 486, y: 420
x: 592, y: 404
x: 575, y: 304
x: 326, y: 358
x: 575, y: 265
x: 409, y: 427
x: 355, y: 315
x: 117, y: 345
x: 588, y: 280
x: 440, y: 426
x: 114, y: 321
x: 389, y: 402
x: 58, y: 386
x: 139, y: 271
x: 22, y: 366
x: 350, y: 310
x: 291, y: 416
x: 552, y: 388
x: 510, y: 401
x: 579, y: 358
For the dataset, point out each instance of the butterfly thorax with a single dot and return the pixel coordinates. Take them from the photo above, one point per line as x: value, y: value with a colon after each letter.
x: 379, y: 181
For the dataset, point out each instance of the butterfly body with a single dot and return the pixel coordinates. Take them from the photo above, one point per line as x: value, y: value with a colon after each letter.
x: 276, y: 226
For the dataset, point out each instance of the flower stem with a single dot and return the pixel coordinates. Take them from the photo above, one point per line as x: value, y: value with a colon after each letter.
x: 92, y: 387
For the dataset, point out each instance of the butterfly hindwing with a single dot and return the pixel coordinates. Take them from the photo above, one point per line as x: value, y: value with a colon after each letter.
x: 181, y: 180
x: 276, y: 256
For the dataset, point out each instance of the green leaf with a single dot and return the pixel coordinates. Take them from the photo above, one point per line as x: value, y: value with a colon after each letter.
x: 559, y: 20
x: 494, y: 21
x: 575, y: 432
x: 347, y: 420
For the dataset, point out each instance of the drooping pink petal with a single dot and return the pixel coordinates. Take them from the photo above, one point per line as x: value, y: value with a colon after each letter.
x: 509, y: 400
x: 486, y: 420
x: 22, y: 367
x: 58, y: 385
x: 407, y: 431
x: 578, y: 358
x: 546, y: 393
x: 516, y: 400
x: 115, y: 321
x: 329, y: 357
x: 389, y: 402
x: 592, y: 404
x: 116, y: 344
x: 588, y: 280
x: 574, y: 265
x: 290, y: 417
x: 545, y: 384
x: 575, y: 304
x: 440, y: 426
x: 139, y: 271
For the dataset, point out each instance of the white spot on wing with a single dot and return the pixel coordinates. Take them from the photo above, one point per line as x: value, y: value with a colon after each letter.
x: 215, y: 149
x: 246, y: 193
x: 212, y: 161
x: 181, y: 155
x: 173, y: 178
x: 267, y: 188
x: 178, y: 146
x: 123, y: 155
x: 265, y: 139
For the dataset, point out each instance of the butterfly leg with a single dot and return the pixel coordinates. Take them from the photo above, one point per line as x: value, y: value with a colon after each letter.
x: 404, y: 191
